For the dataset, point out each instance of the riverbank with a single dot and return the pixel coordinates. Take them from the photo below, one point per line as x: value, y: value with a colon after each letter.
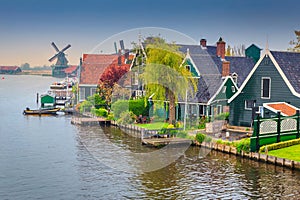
x: 136, y: 131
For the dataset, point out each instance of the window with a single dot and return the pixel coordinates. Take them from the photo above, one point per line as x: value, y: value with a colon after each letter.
x: 188, y: 67
x: 265, y: 88
x: 93, y: 91
x: 135, y: 80
x: 249, y: 104
x: 234, y: 77
x: 232, y: 88
x: 81, y: 94
x: 224, y: 89
x: 219, y: 109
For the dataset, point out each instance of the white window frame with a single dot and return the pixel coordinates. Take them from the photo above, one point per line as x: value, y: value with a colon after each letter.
x: 93, y: 91
x: 224, y: 89
x: 262, y: 87
x: 81, y: 93
x: 232, y: 88
x: 247, y: 108
x: 219, y: 109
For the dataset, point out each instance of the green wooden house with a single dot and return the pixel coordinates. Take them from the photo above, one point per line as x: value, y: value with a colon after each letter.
x: 219, y: 102
x: 271, y: 86
x: 47, y: 100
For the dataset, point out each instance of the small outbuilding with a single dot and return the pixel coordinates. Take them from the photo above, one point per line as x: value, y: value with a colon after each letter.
x: 47, y: 100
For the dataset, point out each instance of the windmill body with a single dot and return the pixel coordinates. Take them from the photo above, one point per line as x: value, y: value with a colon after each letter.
x: 58, y: 70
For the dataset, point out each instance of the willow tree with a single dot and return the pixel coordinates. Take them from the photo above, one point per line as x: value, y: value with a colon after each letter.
x: 295, y: 44
x: 166, y: 77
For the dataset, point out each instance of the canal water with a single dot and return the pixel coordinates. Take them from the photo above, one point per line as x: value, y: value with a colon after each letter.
x: 49, y: 158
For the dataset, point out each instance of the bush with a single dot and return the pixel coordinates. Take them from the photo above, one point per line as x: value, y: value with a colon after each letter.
x: 97, y: 101
x: 200, y: 137
x: 126, y: 117
x: 279, y: 145
x: 222, y: 116
x: 119, y: 107
x: 110, y: 116
x: 139, y: 107
x: 85, y: 106
x: 207, y: 139
x: 101, y: 112
x: 243, y: 145
x: 202, y: 122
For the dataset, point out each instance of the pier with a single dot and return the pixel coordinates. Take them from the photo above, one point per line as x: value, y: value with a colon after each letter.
x: 156, y: 142
x: 85, y: 121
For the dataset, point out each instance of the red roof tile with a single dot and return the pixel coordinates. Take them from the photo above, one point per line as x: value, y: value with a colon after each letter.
x: 70, y: 69
x: 93, y: 66
x: 284, y: 108
x: 9, y: 67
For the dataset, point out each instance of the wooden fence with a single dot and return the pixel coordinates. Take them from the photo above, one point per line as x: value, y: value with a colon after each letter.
x: 273, y: 130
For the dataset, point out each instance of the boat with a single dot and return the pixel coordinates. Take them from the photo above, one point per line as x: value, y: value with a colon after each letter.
x: 41, y: 111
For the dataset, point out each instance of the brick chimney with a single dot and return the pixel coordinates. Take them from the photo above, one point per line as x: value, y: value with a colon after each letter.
x: 203, y: 42
x: 225, y: 68
x: 221, y: 48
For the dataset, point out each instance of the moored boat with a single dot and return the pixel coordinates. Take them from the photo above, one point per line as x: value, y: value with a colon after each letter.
x: 41, y: 111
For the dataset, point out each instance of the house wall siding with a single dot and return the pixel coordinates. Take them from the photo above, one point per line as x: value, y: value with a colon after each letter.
x: 252, y: 91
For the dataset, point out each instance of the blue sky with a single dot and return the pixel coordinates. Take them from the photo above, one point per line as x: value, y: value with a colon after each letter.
x: 29, y: 26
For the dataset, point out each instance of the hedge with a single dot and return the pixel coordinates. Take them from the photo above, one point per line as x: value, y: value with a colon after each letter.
x: 279, y: 145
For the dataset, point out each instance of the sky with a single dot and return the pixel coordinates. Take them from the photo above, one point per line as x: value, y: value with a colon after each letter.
x: 29, y: 26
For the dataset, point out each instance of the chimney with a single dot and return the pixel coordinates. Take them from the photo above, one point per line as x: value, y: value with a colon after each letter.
x: 120, y: 58
x: 221, y: 48
x: 203, y: 42
x: 225, y: 68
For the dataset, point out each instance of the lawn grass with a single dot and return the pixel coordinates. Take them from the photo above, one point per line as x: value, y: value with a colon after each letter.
x: 291, y: 153
x: 153, y: 126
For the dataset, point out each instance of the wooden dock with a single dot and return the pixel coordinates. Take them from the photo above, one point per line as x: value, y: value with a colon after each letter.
x: 86, y: 121
x: 164, y: 141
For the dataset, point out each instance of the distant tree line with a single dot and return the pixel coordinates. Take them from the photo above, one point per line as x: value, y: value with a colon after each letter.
x: 26, y: 66
x: 295, y: 43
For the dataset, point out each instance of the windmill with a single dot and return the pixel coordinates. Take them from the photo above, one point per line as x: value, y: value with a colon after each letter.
x: 61, y: 57
x: 61, y: 63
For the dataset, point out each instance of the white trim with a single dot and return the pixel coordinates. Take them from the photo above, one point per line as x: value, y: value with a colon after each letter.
x: 266, y: 53
x: 262, y: 87
x: 88, y: 85
x: 247, y: 108
x: 220, y: 88
x: 188, y: 56
x: 266, y: 105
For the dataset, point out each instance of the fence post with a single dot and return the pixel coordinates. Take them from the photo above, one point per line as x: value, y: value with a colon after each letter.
x: 278, y: 126
x: 298, y: 133
x: 257, y: 127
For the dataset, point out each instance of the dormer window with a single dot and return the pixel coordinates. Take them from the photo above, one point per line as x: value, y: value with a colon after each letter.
x: 188, y: 67
x: 234, y: 77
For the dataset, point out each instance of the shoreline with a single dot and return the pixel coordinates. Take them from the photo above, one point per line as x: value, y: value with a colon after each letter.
x: 136, y: 131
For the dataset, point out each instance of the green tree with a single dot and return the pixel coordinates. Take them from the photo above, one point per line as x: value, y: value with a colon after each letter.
x: 164, y: 76
x: 25, y: 66
x: 295, y: 44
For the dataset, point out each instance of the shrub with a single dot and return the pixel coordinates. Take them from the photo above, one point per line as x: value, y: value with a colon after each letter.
x: 222, y: 116
x: 85, y: 106
x: 243, y: 145
x: 110, y: 116
x: 126, y: 117
x: 119, y: 107
x: 101, y: 112
x: 200, y: 137
x: 279, y: 145
x: 97, y: 101
x: 139, y: 107
x: 170, y: 126
x: 207, y: 139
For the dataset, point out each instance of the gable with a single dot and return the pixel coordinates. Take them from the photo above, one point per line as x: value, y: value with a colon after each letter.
x: 225, y: 91
x: 269, y: 64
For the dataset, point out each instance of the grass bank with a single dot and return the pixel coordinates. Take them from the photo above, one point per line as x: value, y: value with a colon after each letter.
x: 291, y: 152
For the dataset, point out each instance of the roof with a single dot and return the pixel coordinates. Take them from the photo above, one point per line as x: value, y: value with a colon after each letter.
x: 288, y: 66
x: 285, y: 108
x: 289, y: 62
x: 6, y: 68
x: 71, y: 69
x: 93, y: 65
x: 210, y: 67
